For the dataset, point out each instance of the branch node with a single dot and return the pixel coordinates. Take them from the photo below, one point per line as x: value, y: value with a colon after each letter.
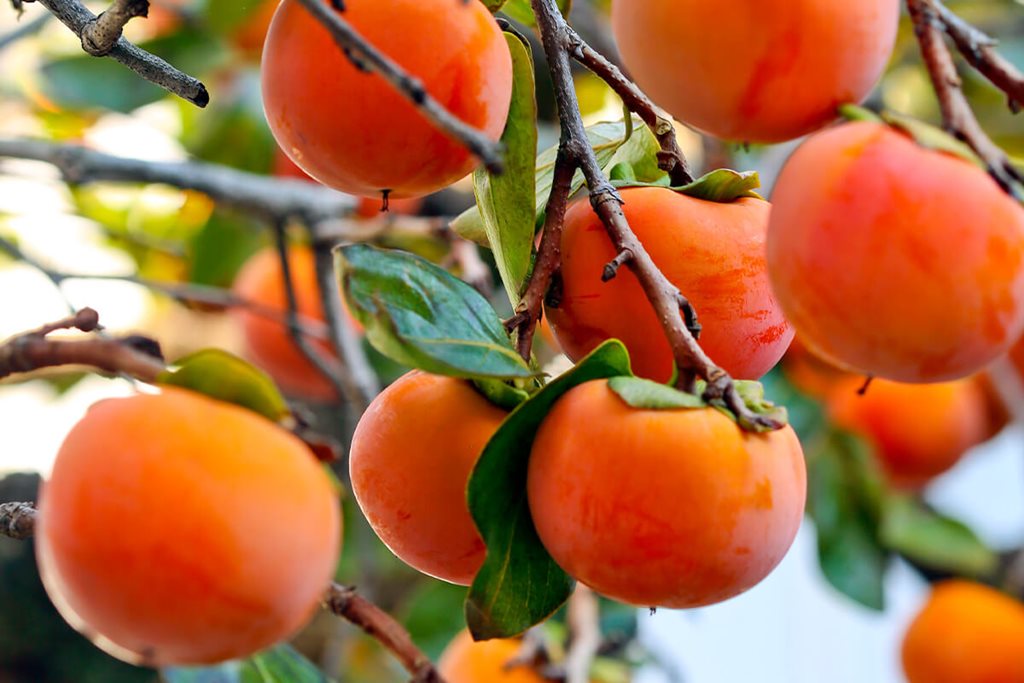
x: 611, y: 268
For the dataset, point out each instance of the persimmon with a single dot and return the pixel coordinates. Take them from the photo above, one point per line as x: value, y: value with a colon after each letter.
x: 749, y: 72
x: 412, y: 453
x: 966, y: 633
x: 666, y: 508
x: 352, y: 130
x: 713, y: 252
x: 268, y: 342
x: 176, y: 529
x: 465, y: 661
x: 918, y: 430
x: 894, y: 260
x: 812, y: 375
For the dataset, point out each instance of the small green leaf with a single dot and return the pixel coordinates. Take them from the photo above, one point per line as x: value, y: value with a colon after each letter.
x: 648, y: 395
x: 752, y: 394
x: 931, y: 137
x: 519, y: 585
x: 506, y: 201
x: 844, y: 500
x: 422, y: 316
x: 855, y: 112
x: 722, y: 185
x: 936, y: 541
x: 500, y: 393
x: 227, y: 377
x: 282, y: 664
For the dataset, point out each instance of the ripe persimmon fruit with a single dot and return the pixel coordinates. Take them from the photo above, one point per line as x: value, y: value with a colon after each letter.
x: 176, y: 529
x: 351, y: 129
x: 465, y: 661
x: 918, y: 430
x: 713, y: 252
x: 966, y: 633
x: 894, y: 260
x: 268, y: 342
x: 752, y: 72
x: 411, y: 457
x: 813, y: 376
x: 662, y: 508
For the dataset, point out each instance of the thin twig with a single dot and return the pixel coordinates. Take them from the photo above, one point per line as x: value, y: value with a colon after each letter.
x: 978, y: 48
x: 17, y: 520
x: 138, y: 357
x: 29, y: 28
x: 74, y: 15
x: 346, y: 603
x: 957, y: 116
x: 101, y: 34
x: 583, y: 618
x: 673, y: 309
x: 368, y: 57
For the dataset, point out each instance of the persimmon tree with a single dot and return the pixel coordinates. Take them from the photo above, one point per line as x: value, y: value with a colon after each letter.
x: 199, y: 521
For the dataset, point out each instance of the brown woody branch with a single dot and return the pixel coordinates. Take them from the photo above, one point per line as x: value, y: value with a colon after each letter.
x: 368, y: 58
x: 957, y: 116
x: 346, y: 603
x: 978, y: 48
x: 17, y: 520
x: 97, y: 36
x: 675, y: 312
x: 137, y: 357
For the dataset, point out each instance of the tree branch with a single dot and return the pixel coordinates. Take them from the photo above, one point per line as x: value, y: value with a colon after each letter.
x: 138, y: 357
x: 25, y: 30
x: 368, y: 58
x: 583, y: 618
x: 957, y: 116
x: 101, y: 34
x: 346, y: 603
x: 671, y: 306
x: 978, y: 49
x: 74, y: 15
x: 17, y: 520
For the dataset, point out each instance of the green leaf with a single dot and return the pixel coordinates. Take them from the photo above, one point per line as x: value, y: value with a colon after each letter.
x: 506, y: 201
x: 844, y: 500
x: 855, y: 112
x: 218, y: 250
x: 226, y: 377
x: 225, y: 15
x: 522, y: 11
x: 936, y: 541
x: 282, y: 664
x: 519, y: 584
x: 627, y: 141
x: 422, y: 316
x: 649, y: 395
x: 931, y: 137
x: 753, y: 396
x: 500, y: 393
x: 722, y: 185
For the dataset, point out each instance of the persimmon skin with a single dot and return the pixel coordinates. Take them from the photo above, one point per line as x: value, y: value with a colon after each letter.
x: 179, y: 530
x: 919, y: 430
x: 465, y: 661
x: 352, y: 130
x: 896, y: 261
x: 268, y: 342
x: 765, y: 73
x: 714, y: 253
x: 411, y: 457
x: 602, y: 499
x: 966, y: 633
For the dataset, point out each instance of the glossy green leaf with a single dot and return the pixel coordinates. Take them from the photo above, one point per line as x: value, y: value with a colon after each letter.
x: 225, y: 377
x: 722, y: 185
x: 422, y: 316
x: 506, y: 201
x: 844, y: 500
x: 933, y: 540
x: 618, y: 142
x: 649, y: 395
x: 282, y: 664
x: 519, y: 584
x: 501, y: 393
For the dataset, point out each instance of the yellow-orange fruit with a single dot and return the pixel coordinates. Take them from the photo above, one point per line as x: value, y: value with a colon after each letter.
x: 176, y: 529
x: 966, y: 633
x: 351, y: 129
x: 893, y: 260
x: 464, y: 661
x: 412, y: 453
x: 713, y: 252
x: 918, y: 430
x: 751, y: 70
x: 808, y: 373
x: 601, y: 479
